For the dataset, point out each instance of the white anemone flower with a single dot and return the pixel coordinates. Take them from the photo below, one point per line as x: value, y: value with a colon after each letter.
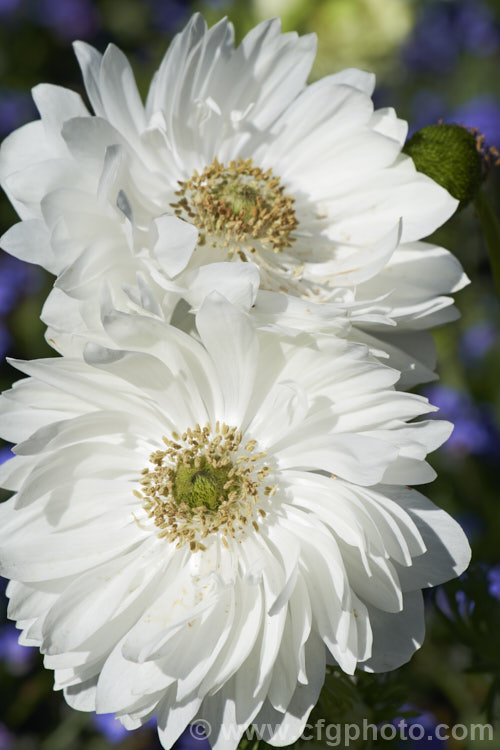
x: 198, y: 526
x: 306, y: 181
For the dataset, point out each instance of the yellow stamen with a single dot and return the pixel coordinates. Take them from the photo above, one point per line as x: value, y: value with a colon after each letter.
x: 240, y: 205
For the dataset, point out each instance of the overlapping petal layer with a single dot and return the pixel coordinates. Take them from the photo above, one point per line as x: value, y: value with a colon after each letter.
x: 235, y: 625
x: 98, y: 192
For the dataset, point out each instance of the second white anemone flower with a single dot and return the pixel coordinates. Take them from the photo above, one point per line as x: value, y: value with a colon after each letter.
x: 200, y: 525
x: 306, y: 181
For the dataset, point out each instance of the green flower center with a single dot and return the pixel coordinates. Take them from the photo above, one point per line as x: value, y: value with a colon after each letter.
x: 205, y: 481
x: 202, y: 485
x: 240, y: 207
x: 239, y: 199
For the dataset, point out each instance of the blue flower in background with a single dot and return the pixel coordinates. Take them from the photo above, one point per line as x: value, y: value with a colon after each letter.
x: 444, y: 30
x: 477, y: 341
x: 464, y: 605
x: 494, y: 581
x: 111, y: 728
x: 7, y: 7
x: 418, y: 731
x: 70, y: 19
x: 189, y: 742
x: 476, y: 27
x: 7, y: 739
x: 449, y: 400
x: 170, y: 15
x: 427, y: 107
x: 17, y: 659
x: 470, y: 435
x: 5, y: 341
x: 17, y: 279
x: 475, y: 430
x: 219, y: 3
x: 482, y: 112
x: 5, y: 454
x: 432, y: 45
x: 16, y: 108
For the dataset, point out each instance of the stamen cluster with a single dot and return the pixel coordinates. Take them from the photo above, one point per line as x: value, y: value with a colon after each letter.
x: 241, y: 207
x: 205, y: 481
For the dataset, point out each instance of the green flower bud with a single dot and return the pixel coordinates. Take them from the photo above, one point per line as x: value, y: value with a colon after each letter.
x: 452, y: 156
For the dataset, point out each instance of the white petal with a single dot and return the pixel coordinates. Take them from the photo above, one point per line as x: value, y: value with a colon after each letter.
x: 352, y: 457
x: 89, y: 60
x: 99, y: 596
x: 119, y: 93
x: 82, y: 697
x: 278, y: 729
x: 20, y: 150
x: 447, y: 552
x: 173, y: 718
x: 396, y: 637
x: 176, y: 241
x: 30, y: 241
x: 237, y: 282
x: 57, y: 104
x: 358, y: 79
x: 230, y: 339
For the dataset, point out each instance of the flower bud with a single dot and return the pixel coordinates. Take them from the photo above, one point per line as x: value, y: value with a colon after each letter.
x: 452, y: 156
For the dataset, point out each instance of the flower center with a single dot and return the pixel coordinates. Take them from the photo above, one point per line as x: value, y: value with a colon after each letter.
x: 240, y: 207
x: 205, y: 481
x: 200, y: 483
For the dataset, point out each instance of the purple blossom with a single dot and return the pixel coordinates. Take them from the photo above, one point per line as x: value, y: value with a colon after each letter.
x: 69, y: 19
x: 464, y: 605
x: 17, y: 279
x: 111, y: 728
x: 470, y: 435
x: 169, y: 15
x: 494, y: 581
x: 475, y: 430
x: 192, y: 741
x: 17, y: 659
x: 5, y: 340
x: 450, y: 401
x: 417, y: 731
x: 219, y: 3
x: 5, y: 454
x: 7, y: 7
x: 476, y: 28
x: 477, y: 341
x: 446, y: 29
x: 7, y: 739
x: 16, y: 108
x: 482, y: 112
x: 431, y: 46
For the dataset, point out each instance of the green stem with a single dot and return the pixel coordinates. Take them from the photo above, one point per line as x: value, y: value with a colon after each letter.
x: 491, y: 230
